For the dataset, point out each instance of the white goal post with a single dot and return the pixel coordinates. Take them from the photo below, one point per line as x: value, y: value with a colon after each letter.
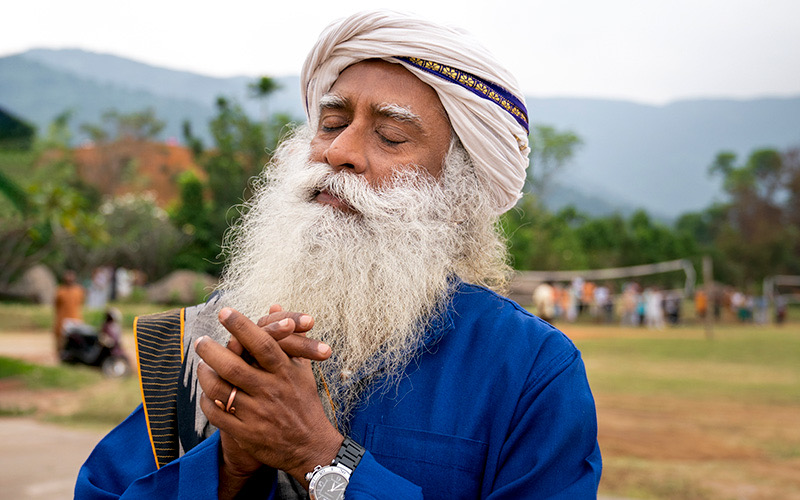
x: 772, y: 283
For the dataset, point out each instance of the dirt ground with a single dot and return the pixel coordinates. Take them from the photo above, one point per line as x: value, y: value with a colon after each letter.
x: 696, y: 449
x: 39, y: 460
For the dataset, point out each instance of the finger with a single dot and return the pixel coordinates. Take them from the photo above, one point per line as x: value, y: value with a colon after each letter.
x: 274, y: 308
x: 303, y: 322
x: 226, y: 397
x: 235, y: 346
x: 218, y: 416
x: 261, y: 346
x: 221, y: 368
x: 213, y: 386
x: 293, y: 344
x: 297, y: 344
x: 300, y: 346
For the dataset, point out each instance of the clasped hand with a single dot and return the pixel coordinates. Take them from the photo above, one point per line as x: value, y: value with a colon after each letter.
x: 279, y: 420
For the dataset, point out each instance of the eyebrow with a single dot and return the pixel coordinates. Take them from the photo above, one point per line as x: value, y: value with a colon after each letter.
x: 398, y: 113
x: 388, y: 110
x: 332, y: 101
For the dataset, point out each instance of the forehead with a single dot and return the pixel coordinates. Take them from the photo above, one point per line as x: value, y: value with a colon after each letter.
x: 379, y: 83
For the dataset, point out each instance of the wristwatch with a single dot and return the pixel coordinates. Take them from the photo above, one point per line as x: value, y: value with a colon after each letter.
x: 329, y: 482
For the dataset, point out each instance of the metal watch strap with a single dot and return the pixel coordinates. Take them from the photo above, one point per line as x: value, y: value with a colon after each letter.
x: 349, y: 454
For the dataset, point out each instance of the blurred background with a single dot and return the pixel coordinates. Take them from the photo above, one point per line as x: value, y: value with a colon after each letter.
x: 660, y: 226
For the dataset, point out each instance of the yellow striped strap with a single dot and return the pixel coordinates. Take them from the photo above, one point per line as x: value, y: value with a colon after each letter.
x: 159, y: 352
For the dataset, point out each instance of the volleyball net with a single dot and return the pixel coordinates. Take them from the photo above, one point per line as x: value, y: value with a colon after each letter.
x: 524, y: 282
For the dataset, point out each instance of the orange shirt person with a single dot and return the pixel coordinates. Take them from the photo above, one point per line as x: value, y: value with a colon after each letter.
x: 68, y: 305
x: 700, y: 304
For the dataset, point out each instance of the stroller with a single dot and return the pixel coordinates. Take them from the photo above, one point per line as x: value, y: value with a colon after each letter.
x: 84, y: 344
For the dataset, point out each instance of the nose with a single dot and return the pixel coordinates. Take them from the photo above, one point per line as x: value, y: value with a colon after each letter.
x: 347, y: 150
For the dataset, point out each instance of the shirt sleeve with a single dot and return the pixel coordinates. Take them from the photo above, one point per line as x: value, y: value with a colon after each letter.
x: 552, y: 450
x: 122, y: 466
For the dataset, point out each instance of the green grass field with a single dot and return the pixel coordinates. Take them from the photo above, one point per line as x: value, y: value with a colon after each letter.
x: 16, y: 316
x: 756, y: 363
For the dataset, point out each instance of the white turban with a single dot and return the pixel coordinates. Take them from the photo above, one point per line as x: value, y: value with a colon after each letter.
x: 482, y: 99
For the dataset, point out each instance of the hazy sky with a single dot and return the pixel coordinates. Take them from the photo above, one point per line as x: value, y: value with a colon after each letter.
x: 651, y: 51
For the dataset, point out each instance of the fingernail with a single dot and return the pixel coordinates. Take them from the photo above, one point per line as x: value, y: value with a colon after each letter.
x: 284, y: 322
x: 304, y: 321
x: 225, y: 313
x: 197, y: 342
x: 323, y: 348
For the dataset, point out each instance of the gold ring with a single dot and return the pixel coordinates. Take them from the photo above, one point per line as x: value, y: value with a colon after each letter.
x: 229, y: 407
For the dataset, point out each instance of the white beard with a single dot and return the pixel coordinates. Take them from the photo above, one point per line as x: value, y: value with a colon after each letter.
x: 372, y: 280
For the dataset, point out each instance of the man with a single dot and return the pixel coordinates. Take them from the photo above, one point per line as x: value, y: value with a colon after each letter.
x: 544, y: 300
x: 380, y: 365
x: 68, y: 305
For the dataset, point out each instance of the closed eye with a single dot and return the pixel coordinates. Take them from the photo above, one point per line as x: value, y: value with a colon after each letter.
x: 326, y: 128
x: 391, y: 135
x: 389, y: 141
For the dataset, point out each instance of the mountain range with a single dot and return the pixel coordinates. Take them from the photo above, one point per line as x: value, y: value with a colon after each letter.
x: 633, y: 155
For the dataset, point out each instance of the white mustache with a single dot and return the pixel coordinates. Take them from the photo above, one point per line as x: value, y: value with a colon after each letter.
x: 406, y: 183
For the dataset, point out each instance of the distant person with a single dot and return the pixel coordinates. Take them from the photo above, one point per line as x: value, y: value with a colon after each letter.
x: 68, y: 306
x: 738, y: 306
x: 123, y: 283
x: 100, y: 288
x: 628, y: 315
x: 641, y: 307
x: 718, y: 302
x: 587, y: 303
x: 575, y: 299
x: 672, y: 307
x: 544, y: 299
x: 760, y: 313
x: 780, y: 309
x: 700, y: 304
x: 603, y: 304
x: 654, y: 308
x: 111, y: 332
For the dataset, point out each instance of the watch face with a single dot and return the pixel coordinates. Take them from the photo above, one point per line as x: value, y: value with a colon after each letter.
x: 329, y: 484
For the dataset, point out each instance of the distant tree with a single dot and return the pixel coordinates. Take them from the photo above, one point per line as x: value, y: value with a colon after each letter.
x: 261, y: 89
x: 551, y: 151
x: 116, y: 126
x: 238, y: 155
x: 759, y: 231
x: 791, y: 165
x: 13, y: 193
x: 141, y: 236
x: 571, y: 240
x: 541, y: 240
x: 119, y: 141
x: 58, y: 135
x: 195, y: 143
x: 51, y: 208
x: 15, y: 133
x: 193, y: 217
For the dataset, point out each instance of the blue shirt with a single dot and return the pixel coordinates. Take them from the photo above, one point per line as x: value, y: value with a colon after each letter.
x: 497, y: 406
